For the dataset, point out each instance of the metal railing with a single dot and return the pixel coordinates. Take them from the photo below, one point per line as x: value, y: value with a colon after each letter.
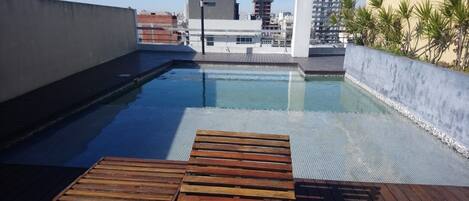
x: 184, y: 36
x: 232, y: 38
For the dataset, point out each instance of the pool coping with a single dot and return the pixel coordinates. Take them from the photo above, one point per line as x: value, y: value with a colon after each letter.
x: 18, y: 125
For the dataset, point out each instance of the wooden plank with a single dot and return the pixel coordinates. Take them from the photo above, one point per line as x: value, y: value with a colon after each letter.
x: 137, y: 196
x: 140, y: 164
x: 184, y: 197
x: 241, y: 148
x: 444, y: 193
x: 238, y: 192
x: 239, y: 172
x: 133, y: 178
x: 126, y: 189
x: 241, y: 156
x: 243, y: 135
x: 139, y: 169
x: 92, y: 198
x: 122, y: 172
x: 243, y: 182
x: 144, y: 160
x: 133, y: 183
x: 409, y: 192
x: 225, y: 140
x: 241, y: 164
x: 398, y: 194
x: 456, y: 192
x: 421, y: 193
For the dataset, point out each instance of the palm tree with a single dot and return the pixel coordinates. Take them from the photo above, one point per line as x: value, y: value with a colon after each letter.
x: 405, y: 11
x: 439, y: 34
x: 423, y: 12
x: 458, y: 12
x: 366, y: 26
x: 389, y: 25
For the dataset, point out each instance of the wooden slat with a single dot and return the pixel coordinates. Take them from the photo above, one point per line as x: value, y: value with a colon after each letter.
x: 421, y: 193
x: 241, y: 156
x: 239, y: 172
x: 137, y: 196
x: 119, y: 182
x: 456, y: 192
x: 409, y: 192
x: 125, y: 189
x: 241, y: 164
x: 91, y: 198
x: 225, y: 140
x: 398, y: 194
x: 142, y: 164
x: 241, y: 148
x: 120, y: 172
x: 184, y: 197
x: 145, y: 160
x: 244, y: 182
x: 243, y: 135
x: 134, y: 178
x: 140, y: 169
x: 237, y: 192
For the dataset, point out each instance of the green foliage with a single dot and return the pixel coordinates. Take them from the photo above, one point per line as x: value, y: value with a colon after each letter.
x: 382, y: 28
x: 406, y: 12
x: 377, y: 4
x: 389, y: 25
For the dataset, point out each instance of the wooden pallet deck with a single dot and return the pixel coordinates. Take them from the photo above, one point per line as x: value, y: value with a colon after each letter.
x: 315, y: 190
x: 238, y: 166
x: 127, y: 179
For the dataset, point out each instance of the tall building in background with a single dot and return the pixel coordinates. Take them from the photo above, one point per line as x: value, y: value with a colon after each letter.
x: 158, y: 24
x: 213, y: 9
x: 322, y: 31
x: 262, y: 11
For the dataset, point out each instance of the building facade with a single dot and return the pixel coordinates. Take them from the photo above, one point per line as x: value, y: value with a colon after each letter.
x: 322, y: 31
x: 227, y: 33
x: 213, y: 9
x: 154, y: 27
x: 262, y: 11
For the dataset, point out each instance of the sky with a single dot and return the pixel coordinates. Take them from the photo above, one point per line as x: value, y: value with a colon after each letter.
x: 178, y: 5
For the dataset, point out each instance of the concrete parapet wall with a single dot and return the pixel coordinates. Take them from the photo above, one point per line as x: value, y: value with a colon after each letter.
x: 45, y: 41
x: 434, y: 97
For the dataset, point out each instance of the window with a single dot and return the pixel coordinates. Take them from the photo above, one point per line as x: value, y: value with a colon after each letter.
x: 210, y: 3
x: 243, y: 40
x: 210, y: 40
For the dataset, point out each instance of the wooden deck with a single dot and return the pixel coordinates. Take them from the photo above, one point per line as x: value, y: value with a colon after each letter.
x: 238, y: 166
x: 307, y: 189
x: 127, y: 179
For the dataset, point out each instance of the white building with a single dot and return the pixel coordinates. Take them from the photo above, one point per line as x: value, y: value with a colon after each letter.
x: 226, y: 35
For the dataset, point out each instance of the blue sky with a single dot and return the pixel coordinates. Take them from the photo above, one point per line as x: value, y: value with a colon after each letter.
x: 178, y: 5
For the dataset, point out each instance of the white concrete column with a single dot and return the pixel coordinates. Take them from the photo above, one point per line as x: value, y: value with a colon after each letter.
x: 302, y: 28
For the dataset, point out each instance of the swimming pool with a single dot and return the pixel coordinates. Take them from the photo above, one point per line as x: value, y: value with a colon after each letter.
x: 337, y: 130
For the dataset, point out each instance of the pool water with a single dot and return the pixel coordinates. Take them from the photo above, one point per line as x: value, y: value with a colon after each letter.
x: 337, y: 130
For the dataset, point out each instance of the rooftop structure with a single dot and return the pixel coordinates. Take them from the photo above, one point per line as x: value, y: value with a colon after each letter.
x: 262, y: 11
x: 214, y: 9
x: 161, y: 21
x: 323, y: 31
x: 242, y: 34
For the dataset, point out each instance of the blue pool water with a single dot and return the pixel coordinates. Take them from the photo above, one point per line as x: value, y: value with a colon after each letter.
x: 338, y: 131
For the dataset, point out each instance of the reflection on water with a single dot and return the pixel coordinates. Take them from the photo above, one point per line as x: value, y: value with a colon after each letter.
x: 258, y: 90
